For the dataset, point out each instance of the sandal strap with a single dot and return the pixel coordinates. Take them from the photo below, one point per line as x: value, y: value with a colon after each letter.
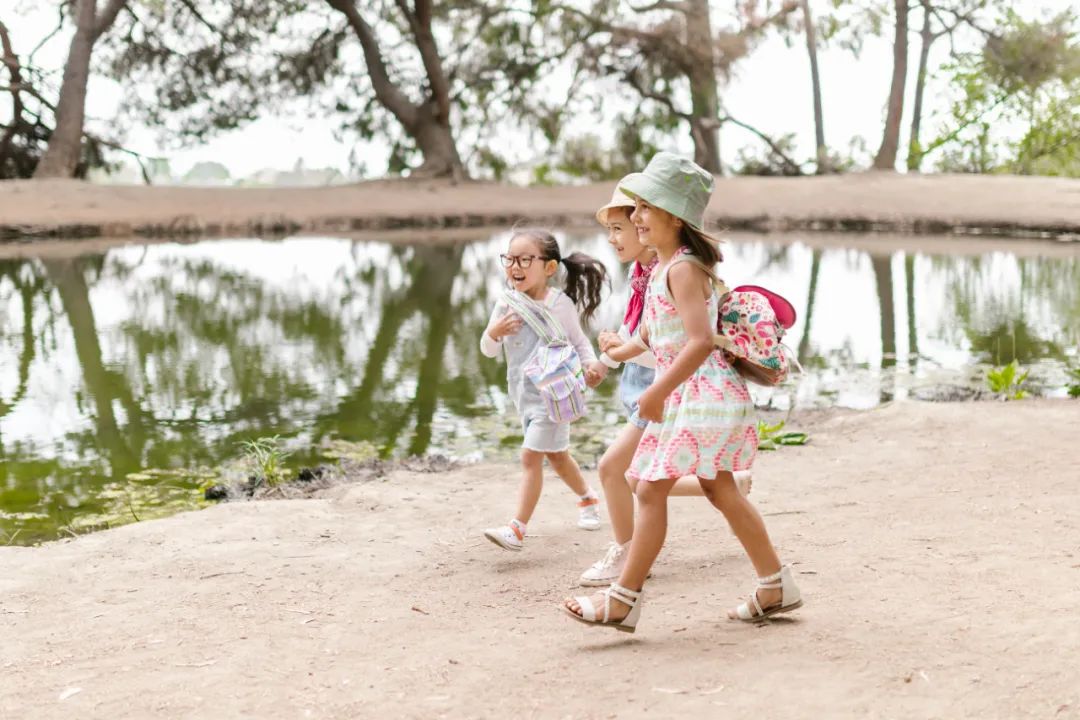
x: 770, y: 582
x: 589, y: 501
x: 517, y: 531
x: 623, y: 595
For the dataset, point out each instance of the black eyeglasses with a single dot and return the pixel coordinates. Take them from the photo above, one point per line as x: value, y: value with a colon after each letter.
x: 523, y: 261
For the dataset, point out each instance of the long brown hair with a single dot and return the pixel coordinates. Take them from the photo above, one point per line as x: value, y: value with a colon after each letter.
x: 585, y: 275
x: 701, y: 244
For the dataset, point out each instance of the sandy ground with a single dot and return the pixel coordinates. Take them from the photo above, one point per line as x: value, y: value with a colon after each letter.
x: 938, y: 547
x: 863, y: 201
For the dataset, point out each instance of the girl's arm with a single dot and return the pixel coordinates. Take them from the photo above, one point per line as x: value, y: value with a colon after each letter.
x: 564, y: 311
x: 501, y: 324
x: 687, y: 285
x: 626, y: 351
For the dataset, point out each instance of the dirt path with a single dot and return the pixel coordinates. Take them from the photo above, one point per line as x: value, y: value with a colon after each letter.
x: 938, y: 546
x: 863, y: 201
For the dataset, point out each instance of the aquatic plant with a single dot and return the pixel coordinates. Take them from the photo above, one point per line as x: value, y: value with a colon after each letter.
x: 1074, y: 386
x: 1008, y: 382
x: 266, y: 459
x: 770, y: 437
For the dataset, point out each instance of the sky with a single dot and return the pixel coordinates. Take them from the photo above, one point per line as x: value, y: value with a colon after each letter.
x: 770, y: 90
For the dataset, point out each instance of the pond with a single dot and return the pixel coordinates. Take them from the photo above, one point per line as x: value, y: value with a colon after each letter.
x: 128, y: 375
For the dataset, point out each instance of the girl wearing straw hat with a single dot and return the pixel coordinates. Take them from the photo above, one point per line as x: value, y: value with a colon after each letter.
x: 638, y: 373
x: 699, y: 408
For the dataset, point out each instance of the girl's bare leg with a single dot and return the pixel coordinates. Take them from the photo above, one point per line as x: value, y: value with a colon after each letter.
x: 749, y: 528
x: 567, y: 468
x: 617, y: 492
x: 532, y: 482
x: 648, y: 540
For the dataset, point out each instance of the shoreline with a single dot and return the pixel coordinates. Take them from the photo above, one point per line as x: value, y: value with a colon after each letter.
x: 381, y: 598
x: 970, y: 206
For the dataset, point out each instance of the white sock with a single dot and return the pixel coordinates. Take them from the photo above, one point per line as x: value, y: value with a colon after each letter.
x: 590, y: 494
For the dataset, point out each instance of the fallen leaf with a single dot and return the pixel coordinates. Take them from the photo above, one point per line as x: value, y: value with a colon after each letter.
x: 669, y: 691
x: 419, y: 610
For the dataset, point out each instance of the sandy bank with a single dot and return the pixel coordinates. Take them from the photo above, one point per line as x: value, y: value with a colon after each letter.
x: 857, y: 202
x: 937, y: 546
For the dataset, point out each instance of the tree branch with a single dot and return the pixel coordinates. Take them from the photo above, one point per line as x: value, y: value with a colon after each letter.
x: 107, y: 17
x: 51, y: 35
x: 389, y: 94
x: 675, y: 6
x: 14, y: 71
x: 632, y: 77
x: 777, y: 150
x: 198, y: 16
x: 420, y: 20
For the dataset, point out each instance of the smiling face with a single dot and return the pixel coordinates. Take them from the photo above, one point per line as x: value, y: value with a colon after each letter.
x: 656, y: 228
x: 623, y: 237
x: 531, y: 280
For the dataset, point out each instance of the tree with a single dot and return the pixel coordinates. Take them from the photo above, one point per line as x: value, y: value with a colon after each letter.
x: 890, y: 140
x: 670, y: 52
x: 821, y: 150
x: 938, y: 21
x: 428, y: 79
x: 1016, y: 104
x: 64, y: 152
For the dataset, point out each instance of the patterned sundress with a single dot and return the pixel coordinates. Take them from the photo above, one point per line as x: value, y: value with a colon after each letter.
x: 708, y: 424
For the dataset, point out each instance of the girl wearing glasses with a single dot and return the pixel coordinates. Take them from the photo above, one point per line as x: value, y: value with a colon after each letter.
x: 531, y: 261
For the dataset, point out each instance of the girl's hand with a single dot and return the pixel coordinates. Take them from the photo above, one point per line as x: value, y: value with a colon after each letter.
x: 608, y: 340
x: 595, y: 372
x: 508, y: 324
x: 651, y: 405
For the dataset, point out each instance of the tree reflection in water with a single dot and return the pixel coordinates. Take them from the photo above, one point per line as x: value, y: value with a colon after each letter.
x: 169, y: 356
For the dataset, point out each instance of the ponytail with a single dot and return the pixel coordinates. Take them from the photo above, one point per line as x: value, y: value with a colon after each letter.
x: 585, y: 278
x: 585, y: 275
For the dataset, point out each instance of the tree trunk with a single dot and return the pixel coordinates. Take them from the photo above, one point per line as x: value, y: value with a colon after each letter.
x: 815, y: 82
x: 428, y: 124
x: 927, y: 37
x: 61, y: 158
x: 435, y: 139
x: 890, y: 141
x: 704, y: 93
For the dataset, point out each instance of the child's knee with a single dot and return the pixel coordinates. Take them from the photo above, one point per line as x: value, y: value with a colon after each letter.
x: 558, y: 458
x: 611, y: 470
x: 531, y: 459
x: 648, y: 493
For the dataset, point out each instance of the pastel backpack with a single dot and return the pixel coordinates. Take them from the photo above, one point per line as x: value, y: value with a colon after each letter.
x: 554, y: 367
x: 750, y: 328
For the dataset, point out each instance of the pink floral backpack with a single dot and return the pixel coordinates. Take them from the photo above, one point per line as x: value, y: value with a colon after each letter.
x: 750, y: 328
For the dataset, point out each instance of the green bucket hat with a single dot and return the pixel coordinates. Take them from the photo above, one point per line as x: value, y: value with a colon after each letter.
x: 675, y: 184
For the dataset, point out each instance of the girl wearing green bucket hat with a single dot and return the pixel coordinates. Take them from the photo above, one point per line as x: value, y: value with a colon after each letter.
x: 699, y: 408
x: 637, y: 375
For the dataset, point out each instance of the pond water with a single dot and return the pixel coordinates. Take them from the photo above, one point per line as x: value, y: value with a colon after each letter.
x: 128, y: 375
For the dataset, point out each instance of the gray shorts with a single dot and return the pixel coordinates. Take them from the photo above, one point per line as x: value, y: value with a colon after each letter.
x: 635, y: 379
x: 542, y: 434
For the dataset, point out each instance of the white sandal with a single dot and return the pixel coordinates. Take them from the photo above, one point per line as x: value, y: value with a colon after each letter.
x: 790, y: 597
x: 632, y: 598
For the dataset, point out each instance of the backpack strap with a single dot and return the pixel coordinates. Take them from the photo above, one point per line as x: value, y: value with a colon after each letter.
x: 538, y: 317
x: 722, y: 290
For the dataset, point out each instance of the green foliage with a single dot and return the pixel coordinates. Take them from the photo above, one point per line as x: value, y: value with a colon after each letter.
x: 1008, y: 382
x: 1074, y: 384
x: 266, y: 459
x: 1016, y: 104
x: 772, y: 437
x: 764, y: 161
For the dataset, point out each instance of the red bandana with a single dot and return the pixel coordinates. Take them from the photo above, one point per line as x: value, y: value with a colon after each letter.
x: 639, y: 280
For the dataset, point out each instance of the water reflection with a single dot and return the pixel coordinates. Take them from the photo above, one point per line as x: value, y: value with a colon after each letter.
x: 167, y: 356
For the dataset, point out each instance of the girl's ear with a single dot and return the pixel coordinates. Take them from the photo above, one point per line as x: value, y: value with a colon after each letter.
x: 551, y: 266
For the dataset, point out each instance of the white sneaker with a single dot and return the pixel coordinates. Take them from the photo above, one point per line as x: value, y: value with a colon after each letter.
x: 589, y: 514
x: 744, y: 481
x: 508, y: 537
x: 607, y: 570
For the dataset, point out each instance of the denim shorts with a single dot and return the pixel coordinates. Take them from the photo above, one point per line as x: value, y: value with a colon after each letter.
x: 542, y: 434
x: 635, y: 380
